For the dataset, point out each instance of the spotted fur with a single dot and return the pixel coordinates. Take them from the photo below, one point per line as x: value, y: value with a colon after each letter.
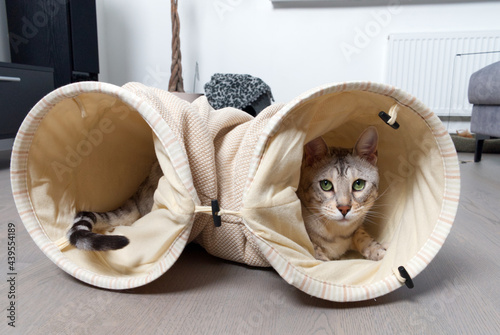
x: 334, y: 217
x: 82, y: 234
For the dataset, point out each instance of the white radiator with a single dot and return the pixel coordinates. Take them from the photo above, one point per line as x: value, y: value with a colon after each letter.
x: 436, y: 67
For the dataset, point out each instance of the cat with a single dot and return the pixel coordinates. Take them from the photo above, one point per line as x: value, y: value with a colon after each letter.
x: 337, y: 189
x: 82, y: 235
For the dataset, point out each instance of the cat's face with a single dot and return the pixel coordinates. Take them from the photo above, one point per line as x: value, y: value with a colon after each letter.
x: 340, y: 184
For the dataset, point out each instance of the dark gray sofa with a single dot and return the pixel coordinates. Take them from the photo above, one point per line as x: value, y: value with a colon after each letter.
x: 484, y: 94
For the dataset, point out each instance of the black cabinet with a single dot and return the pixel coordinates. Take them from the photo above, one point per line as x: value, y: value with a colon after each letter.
x: 21, y: 87
x: 57, y: 34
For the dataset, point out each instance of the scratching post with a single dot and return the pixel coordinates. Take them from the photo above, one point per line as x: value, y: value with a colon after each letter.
x: 176, y: 83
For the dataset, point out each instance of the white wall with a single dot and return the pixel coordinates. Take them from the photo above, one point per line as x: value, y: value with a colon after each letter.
x: 292, y: 49
x: 4, y: 35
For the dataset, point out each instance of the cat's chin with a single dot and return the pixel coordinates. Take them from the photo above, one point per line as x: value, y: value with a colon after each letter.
x: 344, y: 222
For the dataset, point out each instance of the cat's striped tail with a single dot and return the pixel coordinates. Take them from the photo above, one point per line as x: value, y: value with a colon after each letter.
x: 81, y: 236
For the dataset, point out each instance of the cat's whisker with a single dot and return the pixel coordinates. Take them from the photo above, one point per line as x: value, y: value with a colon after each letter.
x: 373, y: 213
x: 377, y: 204
x: 370, y: 221
x: 375, y: 219
x: 382, y: 194
x: 377, y: 214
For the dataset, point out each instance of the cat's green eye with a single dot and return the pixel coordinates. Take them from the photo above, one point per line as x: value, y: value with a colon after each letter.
x: 326, y: 185
x: 358, y: 185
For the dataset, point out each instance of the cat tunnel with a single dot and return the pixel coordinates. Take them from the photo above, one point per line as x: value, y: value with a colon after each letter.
x: 230, y: 182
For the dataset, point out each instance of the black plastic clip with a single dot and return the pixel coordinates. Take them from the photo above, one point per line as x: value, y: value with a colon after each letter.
x: 386, y: 117
x: 406, y: 276
x: 215, y: 213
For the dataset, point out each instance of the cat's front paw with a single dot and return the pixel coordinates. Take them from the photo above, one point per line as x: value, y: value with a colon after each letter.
x: 374, y: 252
x: 320, y: 254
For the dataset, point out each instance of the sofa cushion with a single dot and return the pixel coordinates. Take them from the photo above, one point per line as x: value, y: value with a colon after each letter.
x: 486, y: 120
x: 484, y: 86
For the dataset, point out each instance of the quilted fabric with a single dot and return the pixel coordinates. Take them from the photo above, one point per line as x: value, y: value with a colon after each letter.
x: 219, y: 146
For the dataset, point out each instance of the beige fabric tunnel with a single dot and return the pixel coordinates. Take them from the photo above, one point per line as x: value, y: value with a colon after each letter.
x: 87, y: 146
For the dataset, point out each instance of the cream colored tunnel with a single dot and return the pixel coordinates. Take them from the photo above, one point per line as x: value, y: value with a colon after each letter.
x: 88, y: 146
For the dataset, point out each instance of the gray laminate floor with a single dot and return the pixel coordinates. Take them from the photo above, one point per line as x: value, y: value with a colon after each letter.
x: 457, y: 293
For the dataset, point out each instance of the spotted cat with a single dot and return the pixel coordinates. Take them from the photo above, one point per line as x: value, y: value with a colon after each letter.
x: 337, y: 189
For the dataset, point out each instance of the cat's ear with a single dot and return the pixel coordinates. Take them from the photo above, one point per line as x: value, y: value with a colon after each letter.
x: 315, y: 150
x: 366, y: 146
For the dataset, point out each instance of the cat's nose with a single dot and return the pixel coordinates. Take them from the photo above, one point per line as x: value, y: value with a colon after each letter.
x: 344, y: 209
